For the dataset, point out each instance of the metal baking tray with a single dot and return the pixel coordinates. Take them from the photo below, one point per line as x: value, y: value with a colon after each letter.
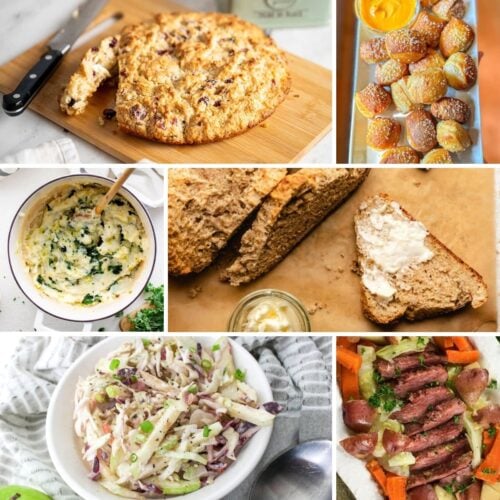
x: 364, y: 73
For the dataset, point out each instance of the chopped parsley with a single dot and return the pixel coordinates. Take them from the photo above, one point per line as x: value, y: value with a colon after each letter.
x: 492, y: 432
x: 421, y: 360
x: 150, y: 319
x: 420, y: 341
x: 384, y: 398
x: 493, y: 384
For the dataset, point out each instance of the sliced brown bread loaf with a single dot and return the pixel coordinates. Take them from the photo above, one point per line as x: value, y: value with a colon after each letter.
x: 297, y: 205
x: 206, y: 206
x: 405, y: 270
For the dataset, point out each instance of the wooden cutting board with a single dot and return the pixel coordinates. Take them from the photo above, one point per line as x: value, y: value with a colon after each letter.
x: 296, y: 126
x: 456, y: 205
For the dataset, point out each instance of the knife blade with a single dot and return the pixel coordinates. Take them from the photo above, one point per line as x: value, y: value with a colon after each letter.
x: 17, y: 101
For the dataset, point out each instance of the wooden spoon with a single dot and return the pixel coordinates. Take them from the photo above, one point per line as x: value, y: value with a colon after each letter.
x: 103, y: 202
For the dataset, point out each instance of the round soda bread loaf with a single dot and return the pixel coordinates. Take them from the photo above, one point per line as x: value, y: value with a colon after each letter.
x: 195, y: 78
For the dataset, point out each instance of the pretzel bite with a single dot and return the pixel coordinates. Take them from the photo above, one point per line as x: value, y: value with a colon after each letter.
x: 401, y: 154
x: 451, y: 108
x: 437, y: 155
x: 372, y: 100
x: 452, y: 136
x: 383, y: 133
x: 426, y: 87
x: 421, y: 131
x: 446, y: 9
x: 457, y: 36
x: 401, y: 96
x: 460, y: 71
x: 433, y: 59
x: 430, y: 27
x: 405, y: 45
x: 390, y: 71
x: 373, y: 51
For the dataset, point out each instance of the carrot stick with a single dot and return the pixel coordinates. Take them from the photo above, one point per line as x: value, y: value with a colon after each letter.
x: 349, y: 384
x: 488, y: 441
x: 462, y: 343
x: 489, y: 469
x: 378, y: 474
x: 345, y: 342
x: 396, y: 487
x: 349, y: 359
x: 443, y: 342
x: 462, y: 357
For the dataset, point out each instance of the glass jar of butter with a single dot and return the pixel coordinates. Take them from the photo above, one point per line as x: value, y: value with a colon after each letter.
x: 269, y: 310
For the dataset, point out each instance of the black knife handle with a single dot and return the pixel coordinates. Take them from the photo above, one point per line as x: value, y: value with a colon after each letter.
x: 16, y: 102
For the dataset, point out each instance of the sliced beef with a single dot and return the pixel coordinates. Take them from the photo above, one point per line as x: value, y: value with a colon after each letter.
x: 489, y: 415
x: 438, y: 454
x: 443, y: 434
x: 439, y: 415
x: 459, y: 478
x: 471, y: 383
x: 414, y: 380
x: 358, y: 415
x: 440, y: 471
x: 402, y: 364
x: 360, y: 445
x: 473, y: 492
x: 424, y: 492
x: 420, y: 402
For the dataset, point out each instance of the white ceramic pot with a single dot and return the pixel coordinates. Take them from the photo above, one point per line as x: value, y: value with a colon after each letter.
x: 72, y: 312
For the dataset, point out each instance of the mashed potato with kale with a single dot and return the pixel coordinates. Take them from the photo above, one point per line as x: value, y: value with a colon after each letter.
x: 78, y: 257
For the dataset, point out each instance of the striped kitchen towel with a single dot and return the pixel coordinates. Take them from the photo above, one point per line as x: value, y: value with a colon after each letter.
x: 298, y: 368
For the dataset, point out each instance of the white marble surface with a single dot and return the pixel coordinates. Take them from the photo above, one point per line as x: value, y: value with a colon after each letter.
x: 25, y: 22
x: 17, y: 313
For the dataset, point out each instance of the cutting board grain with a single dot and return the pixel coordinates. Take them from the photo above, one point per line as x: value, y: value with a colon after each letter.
x: 296, y: 126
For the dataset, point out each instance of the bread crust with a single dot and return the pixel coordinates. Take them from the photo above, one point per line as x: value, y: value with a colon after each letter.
x: 196, y: 78
x: 413, y: 312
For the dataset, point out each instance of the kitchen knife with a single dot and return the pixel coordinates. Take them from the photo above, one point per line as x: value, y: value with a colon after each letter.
x: 16, y: 102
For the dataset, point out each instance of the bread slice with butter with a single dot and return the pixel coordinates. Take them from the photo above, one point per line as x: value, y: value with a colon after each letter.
x: 295, y: 207
x: 405, y: 271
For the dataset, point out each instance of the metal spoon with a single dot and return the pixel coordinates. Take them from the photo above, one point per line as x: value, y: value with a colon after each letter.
x: 301, y: 473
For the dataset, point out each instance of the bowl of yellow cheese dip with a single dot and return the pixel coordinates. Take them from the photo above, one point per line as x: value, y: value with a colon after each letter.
x: 386, y: 15
x: 75, y: 264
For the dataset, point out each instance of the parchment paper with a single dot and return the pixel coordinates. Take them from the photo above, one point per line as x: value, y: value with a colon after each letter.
x: 456, y: 205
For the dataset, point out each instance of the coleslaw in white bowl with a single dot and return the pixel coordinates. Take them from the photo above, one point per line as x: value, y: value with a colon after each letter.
x: 160, y: 417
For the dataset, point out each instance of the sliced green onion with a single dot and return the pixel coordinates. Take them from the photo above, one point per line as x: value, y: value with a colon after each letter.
x: 113, y: 391
x: 133, y: 458
x: 133, y: 379
x: 193, y: 389
x: 206, y: 364
x: 146, y: 342
x: 115, y: 363
x: 216, y: 347
x: 206, y: 431
x: 147, y: 427
x: 239, y: 375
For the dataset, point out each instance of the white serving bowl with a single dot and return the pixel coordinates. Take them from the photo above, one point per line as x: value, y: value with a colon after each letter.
x: 58, y: 309
x: 65, y: 448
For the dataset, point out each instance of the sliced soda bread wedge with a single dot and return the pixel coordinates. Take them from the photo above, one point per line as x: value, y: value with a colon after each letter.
x: 405, y: 271
x: 98, y: 64
x: 297, y: 205
x: 206, y: 206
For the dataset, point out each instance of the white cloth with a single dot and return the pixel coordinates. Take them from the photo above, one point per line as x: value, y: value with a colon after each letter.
x: 298, y: 369
x: 61, y: 150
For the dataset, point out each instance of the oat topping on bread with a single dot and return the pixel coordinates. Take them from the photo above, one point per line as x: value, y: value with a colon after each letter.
x: 98, y: 64
x: 407, y: 272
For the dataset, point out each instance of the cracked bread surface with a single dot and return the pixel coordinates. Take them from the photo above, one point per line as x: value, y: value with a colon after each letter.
x: 206, y: 206
x: 197, y: 77
x: 440, y: 284
x: 295, y: 207
x: 98, y: 64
